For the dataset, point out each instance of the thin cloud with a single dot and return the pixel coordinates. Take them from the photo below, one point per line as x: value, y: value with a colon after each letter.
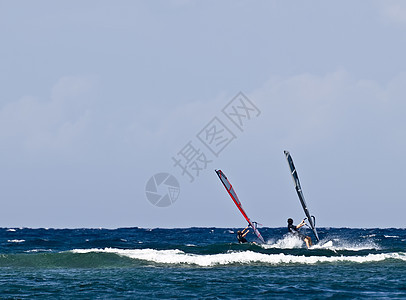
x: 32, y: 123
x: 394, y: 11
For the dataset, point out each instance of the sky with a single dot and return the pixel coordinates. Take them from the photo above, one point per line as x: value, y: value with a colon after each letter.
x: 98, y: 97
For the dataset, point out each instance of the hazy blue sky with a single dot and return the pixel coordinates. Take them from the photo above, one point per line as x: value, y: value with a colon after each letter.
x: 98, y: 96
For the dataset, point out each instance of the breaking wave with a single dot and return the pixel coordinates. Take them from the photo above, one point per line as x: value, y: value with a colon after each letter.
x: 293, y: 242
x: 176, y: 256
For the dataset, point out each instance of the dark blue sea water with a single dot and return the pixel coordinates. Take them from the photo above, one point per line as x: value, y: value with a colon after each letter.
x: 204, y: 263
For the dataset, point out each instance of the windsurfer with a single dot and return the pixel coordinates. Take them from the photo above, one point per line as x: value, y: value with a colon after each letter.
x: 295, y: 231
x: 241, y: 235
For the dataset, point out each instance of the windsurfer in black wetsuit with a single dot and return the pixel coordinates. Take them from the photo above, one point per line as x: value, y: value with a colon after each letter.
x: 241, y: 235
x: 295, y: 231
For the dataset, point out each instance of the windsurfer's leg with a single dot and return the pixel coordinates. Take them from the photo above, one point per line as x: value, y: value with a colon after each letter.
x: 308, y: 241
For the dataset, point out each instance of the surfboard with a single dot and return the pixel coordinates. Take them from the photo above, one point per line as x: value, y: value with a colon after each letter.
x: 311, y: 219
x: 237, y: 202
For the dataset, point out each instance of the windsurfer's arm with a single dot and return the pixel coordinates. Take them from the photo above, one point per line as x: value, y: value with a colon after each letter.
x: 246, y: 228
x: 245, y: 233
x: 301, y: 224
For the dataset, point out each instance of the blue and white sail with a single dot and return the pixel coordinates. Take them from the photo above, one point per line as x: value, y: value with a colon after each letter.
x: 299, y: 192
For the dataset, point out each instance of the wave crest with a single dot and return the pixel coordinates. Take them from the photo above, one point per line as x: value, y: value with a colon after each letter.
x: 176, y: 256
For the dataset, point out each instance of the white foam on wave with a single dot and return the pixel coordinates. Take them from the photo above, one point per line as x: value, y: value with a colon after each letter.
x: 11, y: 230
x: 369, y: 235
x: 292, y: 242
x: 16, y: 241
x: 176, y: 256
x: 287, y: 242
x: 338, y: 245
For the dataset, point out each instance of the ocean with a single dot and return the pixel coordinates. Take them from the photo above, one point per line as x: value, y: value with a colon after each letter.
x: 204, y: 263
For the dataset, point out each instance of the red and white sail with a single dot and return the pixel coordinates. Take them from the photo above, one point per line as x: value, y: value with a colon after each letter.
x: 237, y: 202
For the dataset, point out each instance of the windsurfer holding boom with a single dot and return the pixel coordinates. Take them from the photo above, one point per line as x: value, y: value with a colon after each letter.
x: 241, y: 235
x: 295, y: 230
